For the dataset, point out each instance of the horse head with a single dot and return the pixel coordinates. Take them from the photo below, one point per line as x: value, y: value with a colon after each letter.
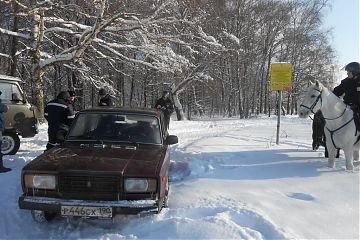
x: 312, y: 101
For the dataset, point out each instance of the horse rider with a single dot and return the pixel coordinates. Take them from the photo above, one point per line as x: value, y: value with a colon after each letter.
x: 350, y: 89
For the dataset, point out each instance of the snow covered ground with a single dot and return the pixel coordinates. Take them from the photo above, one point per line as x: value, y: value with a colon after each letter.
x: 229, y: 180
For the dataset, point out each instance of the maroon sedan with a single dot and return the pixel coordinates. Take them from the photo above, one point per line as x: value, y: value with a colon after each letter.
x: 113, y: 161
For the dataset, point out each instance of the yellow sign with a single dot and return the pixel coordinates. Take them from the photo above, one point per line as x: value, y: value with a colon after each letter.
x: 281, y: 76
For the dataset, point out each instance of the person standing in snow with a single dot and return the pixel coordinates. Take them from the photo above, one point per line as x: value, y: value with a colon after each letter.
x: 59, y: 113
x: 349, y: 88
x: 318, y: 134
x: 166, y: 106
x: 3, y: 109
x: 105, y: 99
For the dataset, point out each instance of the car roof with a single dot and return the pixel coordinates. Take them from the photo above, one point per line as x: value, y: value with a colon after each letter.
x: 126, y: 110
x: 9, y: 78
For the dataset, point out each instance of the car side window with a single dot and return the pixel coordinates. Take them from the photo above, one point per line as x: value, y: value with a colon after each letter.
x: 8, y: 91
x: 16, y: 92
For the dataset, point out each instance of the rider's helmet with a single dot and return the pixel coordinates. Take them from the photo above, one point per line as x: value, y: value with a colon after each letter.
x: 353, y: 67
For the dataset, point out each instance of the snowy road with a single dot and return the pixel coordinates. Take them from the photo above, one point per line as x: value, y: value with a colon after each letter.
x: 229, y: 180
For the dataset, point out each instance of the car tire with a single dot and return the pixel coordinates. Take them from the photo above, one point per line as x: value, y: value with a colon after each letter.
x: 163, y: 202
x: 10, y: 144
x: 166, y: 197
x: 42, y: 216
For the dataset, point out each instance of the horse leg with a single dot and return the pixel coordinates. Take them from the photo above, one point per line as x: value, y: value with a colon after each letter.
x: 349, y: 156
x: 331, y: 153
x: 356, y: 155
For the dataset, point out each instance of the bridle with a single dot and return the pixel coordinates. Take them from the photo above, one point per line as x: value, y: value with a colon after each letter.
x: 311, y: 108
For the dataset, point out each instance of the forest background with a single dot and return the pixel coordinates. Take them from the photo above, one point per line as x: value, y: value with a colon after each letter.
x: 213, y: 55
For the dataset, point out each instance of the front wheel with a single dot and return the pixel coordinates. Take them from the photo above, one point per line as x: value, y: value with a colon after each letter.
x: 163, y: 202
x: 42, y: 216
x: 10, y: 143
x: 166, y: 198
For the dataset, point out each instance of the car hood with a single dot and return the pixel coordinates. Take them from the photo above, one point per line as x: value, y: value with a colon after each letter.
x: 142, y: 161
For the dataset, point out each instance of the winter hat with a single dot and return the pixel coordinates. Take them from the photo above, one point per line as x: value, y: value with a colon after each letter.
x: 0, y: 92
x: 72, y: 93
x: 102, y: 92
x: 63, y: 95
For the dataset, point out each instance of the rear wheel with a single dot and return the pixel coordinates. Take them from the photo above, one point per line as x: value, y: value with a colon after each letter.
x: 10, y: 143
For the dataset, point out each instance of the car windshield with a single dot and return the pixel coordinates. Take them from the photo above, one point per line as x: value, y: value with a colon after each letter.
x: 115, y: 127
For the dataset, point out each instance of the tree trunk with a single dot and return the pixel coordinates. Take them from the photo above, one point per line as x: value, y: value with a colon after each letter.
x: 178, y: 108
x: 37, y: 72
x: 14, y: 42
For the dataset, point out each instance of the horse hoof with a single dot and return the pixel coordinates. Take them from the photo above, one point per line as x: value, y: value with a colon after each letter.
x: 350, y: 168
x: 331, y: 165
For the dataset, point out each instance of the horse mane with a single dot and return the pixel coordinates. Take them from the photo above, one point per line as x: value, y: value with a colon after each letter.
x: 329, y: 99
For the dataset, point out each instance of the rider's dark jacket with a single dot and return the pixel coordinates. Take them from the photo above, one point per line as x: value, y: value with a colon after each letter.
x: 351, y: 90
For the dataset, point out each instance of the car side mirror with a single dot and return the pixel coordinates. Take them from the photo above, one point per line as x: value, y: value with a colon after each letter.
x: 171, y: 139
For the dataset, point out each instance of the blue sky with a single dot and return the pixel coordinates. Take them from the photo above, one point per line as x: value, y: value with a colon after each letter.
x: 344, y: 19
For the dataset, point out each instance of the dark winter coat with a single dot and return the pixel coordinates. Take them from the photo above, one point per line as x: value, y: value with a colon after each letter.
x: 106, y: 101
x: 351, y: 90
x: 318, y: 125
x: 3, y: 109
x: 166, y: 105
x: 59, y: 114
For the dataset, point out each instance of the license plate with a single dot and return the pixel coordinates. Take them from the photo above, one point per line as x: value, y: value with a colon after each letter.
x: 79, y: 211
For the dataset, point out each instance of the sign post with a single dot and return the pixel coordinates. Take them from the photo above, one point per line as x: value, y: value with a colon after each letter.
x: 280, y: 81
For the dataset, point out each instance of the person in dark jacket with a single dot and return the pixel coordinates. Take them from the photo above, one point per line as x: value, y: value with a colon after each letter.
x: 349, y: 88
x: 105, y: 99
x: 166, y: 106
x: 59, y: 113
x: 3, y: 109
x: 318, y: 134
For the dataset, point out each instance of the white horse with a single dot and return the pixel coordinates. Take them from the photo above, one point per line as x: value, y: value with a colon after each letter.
x: 340, y: 130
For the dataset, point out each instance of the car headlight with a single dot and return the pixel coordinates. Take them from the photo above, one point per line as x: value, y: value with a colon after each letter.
x: 140, y: 185
x: 40, y: 181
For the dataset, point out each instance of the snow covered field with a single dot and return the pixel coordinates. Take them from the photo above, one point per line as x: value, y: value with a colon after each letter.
x: 229, y: 180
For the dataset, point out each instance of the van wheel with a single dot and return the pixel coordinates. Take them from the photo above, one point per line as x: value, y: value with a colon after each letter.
x: 10, y: 143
